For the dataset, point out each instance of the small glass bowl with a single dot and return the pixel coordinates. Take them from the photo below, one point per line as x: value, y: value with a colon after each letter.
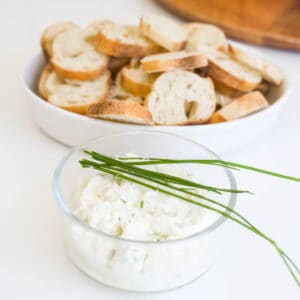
x: 139, y: 265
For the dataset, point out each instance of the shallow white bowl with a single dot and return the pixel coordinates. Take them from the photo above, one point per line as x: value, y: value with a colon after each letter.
x: 72, y: 129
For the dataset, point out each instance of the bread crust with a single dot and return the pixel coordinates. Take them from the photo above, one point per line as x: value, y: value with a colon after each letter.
x: 216, y: 118
x: 207, y: 35
x: 77, y: 74
x: 138, y: 88
x: 76, y: 59
x: 268, y: 71
x: 42, y: 85
x: 240, y: 107
x: 118, y: 49
x: 47, y: 41
x: 82, y: 108
x: 156, y: 36
x: 217, y: 72
x: 126, y: 111
x: 191, y: 61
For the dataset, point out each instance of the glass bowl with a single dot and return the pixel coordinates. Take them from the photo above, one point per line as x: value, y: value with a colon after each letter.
x: 139, y: 265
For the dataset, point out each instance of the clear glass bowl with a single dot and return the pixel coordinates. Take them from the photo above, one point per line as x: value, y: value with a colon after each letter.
x: 139, y: 265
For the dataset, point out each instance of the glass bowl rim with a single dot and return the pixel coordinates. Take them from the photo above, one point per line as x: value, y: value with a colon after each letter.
x: 69, y: 213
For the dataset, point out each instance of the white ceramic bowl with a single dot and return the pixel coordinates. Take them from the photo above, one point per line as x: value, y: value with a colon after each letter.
x: 71, y: 129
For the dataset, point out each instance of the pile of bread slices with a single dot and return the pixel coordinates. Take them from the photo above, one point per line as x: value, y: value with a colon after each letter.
x: 157, y: 73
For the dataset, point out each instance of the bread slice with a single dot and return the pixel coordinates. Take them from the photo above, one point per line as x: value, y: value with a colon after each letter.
x: 76, y: 96
x: 124, y: 41
x: 269, y: 72
x: 163, y: 31
x: 240, y: 107
x: 204, y: 35
x: 93, y: 28
x: 76, y: 59
x: 172, y: 61
x: 42, y: 86
x: 136, y: 81
x: 232, y: 73
x: 126, y: 111
x: 51, y: 32
x: 181, y: 97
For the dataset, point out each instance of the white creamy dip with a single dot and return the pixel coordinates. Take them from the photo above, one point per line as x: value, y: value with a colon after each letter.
x: 137, y: 214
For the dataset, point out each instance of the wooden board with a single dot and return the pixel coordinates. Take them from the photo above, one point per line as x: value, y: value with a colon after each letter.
x: 262, y: 22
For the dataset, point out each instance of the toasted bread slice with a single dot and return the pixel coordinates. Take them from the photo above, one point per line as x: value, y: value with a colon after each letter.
x: 226, y: 94
x: 76, y: 59
x: 240, y: 107
x: 172, y: 61
x: 232, y: 73
x: 42, y: 86
x: 163, y: 31
x: 181, y: 97
x: 93, y: 28
x: 76, y: 96
x: 51, y: 32
x: 126, y: 111
x: 269, y: 72
x: 124, y: 41
x: 136, y: 81
x: 204, y: 35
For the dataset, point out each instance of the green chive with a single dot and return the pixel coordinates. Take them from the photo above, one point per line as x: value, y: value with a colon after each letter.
x: 141, y: 203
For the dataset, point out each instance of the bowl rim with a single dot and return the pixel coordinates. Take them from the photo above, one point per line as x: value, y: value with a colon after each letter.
x: 69, y: 213
x: 88, y: 120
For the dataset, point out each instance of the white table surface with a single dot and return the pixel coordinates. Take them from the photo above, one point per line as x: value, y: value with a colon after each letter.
x: 33, y: 263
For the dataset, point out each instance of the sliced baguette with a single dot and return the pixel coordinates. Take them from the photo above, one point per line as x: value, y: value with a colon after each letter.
x: 126, y: 111
x: 172, y: 61
x: 269, y: 72
x: 76, y: 59
x: 181, y: 97
x: 136, y: 81
x: 76, y: 96
x: 42, y: 86
x: 226, y: 94
x: 240, y: 107
x: 93, y: 28
x: 232, y: 73
x: 124, y: 41
x: 51, y: 32
x: 204, y: 35
x: 163, y: 31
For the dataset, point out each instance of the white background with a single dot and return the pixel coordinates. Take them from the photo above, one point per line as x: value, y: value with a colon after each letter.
x: 33, y: 264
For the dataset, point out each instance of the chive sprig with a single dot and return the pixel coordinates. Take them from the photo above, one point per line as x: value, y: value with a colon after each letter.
x: 129, y: 169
